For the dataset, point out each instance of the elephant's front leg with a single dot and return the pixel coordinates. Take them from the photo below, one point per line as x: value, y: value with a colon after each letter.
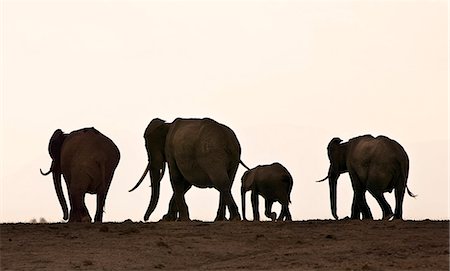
x: 255, y: 205
x: 173, y: 210
x: 362, y: 206
x: 179, y: 191
x: 355, y: 208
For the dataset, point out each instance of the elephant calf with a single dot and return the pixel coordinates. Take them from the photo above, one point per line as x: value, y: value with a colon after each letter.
x: 274, y: 183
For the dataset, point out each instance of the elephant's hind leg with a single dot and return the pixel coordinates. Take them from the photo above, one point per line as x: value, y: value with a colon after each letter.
x: 101, y: 198
x: 221, y: 210
x: 78, y: 210
x: 399, y: 195
x: 285, y: 213
x: 226, y: 199
x: 268, y: 212
x: 387, y: 211
x: 223, y: 183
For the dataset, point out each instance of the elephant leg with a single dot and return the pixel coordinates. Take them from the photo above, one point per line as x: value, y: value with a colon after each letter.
x: 223, y: 184
x: 282, y: 214
x: 268, y: 212
x: 232, y: 206
x: 255, y: 205
x: 180, y: 188
x: 387, y: 211
x: 78, y: 210
x: 359, y: 204
x: 363, y: 207
x: 101, y: 198
x: 173, y: 210
x: 285, y: 213
x: 399, y: 195
x: 356, y: 212
x: 85, y: 216
x: 221, y: 210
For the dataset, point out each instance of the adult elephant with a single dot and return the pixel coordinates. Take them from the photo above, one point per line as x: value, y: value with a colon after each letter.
x: 274, y: 183
x: 378, y: 165
x: 87, y: 159
x: 199, y: 152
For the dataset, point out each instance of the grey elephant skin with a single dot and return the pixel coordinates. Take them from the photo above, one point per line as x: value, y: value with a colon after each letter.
x: 199, y: 152
x: 87, y: 159
x: 274, y: 183
x: 377, y: 165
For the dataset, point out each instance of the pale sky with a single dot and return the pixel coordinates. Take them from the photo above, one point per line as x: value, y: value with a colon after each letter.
x: 286, y: 76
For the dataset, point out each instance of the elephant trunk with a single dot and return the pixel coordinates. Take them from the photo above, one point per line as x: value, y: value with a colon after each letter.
x: 155, y: 176
x: 153, y: 201
x: 333, y: 201
x: 59, y: 193
x: 243, y: 203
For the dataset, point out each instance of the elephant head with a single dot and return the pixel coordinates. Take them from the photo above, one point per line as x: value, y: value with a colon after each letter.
x: 248, y: 180
x: 155, y: 141
x: 337, y: 154
x: 54, y: 149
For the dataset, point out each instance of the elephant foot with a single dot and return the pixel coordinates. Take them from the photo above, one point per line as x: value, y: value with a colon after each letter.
x: 219, y: 218
x: 235, y: 218
x: 169, y: 217
x: 184, y: 219
x: 273, y: 216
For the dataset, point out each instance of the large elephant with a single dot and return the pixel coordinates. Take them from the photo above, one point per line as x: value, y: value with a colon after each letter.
x: 378, y: 165
x: 87, y: 159
x: 199, y: 152
x: 274, y: 183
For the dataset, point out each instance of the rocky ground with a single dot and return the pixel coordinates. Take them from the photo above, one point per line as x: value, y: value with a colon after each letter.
x: 301, y: 245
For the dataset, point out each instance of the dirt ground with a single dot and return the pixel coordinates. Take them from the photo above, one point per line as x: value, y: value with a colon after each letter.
x: 302, y: 245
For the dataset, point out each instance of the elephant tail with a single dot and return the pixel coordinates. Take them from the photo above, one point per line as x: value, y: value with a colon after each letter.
x: 242, y: 163
x: 289, y: 182
x: 410, y: 193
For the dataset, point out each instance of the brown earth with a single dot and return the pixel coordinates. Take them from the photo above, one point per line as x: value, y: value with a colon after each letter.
x: 302, y: 245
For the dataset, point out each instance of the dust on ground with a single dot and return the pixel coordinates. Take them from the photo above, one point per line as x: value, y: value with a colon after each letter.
x: 300, y: 245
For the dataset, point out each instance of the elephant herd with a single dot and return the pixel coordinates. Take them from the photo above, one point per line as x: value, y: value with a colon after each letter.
x: 205, y: 153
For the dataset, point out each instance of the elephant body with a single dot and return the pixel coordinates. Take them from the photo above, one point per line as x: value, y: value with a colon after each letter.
x: 87, y: 159
x: 199, y: 152
x: 377, y: 165
x: 274, y: 183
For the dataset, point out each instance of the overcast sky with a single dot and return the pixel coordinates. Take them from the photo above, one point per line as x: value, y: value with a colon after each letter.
x: 286, y: 76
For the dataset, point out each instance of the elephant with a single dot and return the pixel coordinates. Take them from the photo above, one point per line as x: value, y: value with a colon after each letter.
x: 199, y: 152
x: 274, y: 183
x: 378, y: 165
x: 87, y: 159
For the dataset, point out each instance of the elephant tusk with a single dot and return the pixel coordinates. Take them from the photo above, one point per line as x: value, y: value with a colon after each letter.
x: 45, y: 174
x: 322, y: 180
x: 142, y: 178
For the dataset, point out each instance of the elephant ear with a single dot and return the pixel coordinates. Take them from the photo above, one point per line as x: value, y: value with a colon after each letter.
x: 248, y: 179
x: 332, y: 146
x: 153, y: 127
x: 155, y: 135
x: 55, y: 144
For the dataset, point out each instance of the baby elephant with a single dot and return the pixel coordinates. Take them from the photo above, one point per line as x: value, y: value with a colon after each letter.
x: 274, y: 183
